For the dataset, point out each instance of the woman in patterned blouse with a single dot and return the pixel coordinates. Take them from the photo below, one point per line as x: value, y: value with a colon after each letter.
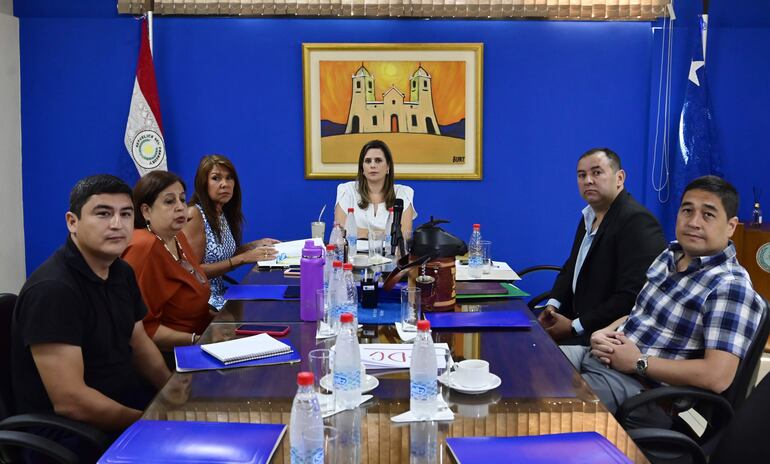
x: 216, y: 224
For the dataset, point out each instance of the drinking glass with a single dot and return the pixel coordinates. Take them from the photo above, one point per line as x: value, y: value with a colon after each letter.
x: 327, y: 441
x: 325, y: 319
x: 321, y: 366
x: 376, y: 239
x: 317, y: 229
x: 410, y: 308
x: 486, y: 254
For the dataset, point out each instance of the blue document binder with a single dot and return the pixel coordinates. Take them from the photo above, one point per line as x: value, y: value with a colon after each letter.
x: 511, y: 318
x: 257, y: 292
x: 156, y: 442
x: 562, y: 448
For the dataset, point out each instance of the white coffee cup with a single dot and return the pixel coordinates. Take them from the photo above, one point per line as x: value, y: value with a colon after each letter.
x: 473, y: 373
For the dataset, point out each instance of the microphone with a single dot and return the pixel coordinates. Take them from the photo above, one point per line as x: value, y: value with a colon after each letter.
x: 396, y: 237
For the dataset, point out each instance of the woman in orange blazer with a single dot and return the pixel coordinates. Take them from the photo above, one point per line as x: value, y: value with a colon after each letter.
x: 173, y: 285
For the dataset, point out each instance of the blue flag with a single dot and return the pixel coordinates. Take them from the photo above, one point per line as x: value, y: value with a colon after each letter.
x: 696, y: 151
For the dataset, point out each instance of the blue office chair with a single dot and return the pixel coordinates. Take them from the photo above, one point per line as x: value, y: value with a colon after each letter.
x: 15, y: 430
x: 535, y: 302
x: 681, y: 444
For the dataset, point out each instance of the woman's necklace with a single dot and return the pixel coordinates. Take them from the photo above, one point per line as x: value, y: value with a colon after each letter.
x: 181, y: 257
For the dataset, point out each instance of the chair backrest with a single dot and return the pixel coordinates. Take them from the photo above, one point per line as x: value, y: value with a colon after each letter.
x: 746, y: 375
x: 7, y: 302
x: 745, y: 439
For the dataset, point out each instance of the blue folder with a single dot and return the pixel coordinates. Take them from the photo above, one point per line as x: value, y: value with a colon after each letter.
x: 386, y: 312
x: 193, y: 358
x: 562, y: 448
x: 510, y: 318
x: 257, y: 292
x: 156, y: 442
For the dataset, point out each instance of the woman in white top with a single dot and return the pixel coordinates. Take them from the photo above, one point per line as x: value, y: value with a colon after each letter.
x: 373, y: 192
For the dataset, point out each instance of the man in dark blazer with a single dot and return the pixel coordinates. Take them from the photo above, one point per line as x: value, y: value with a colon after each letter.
x: 616, y: 241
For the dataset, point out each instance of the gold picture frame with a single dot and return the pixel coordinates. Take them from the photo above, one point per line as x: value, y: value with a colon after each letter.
x: 423, y: 100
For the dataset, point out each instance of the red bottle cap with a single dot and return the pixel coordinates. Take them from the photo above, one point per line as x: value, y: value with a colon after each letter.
x: 347, y: 267
x: 305, y: 379
x: 390, y: 209
x: 477, y: 226
x: 336, y: 264
x: 346, y: 317
x: 423, y: 325
x: 330, y: 247
x: 350, y: 210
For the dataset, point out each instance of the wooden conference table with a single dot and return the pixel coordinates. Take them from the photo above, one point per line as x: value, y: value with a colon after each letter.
x: 540, y: 392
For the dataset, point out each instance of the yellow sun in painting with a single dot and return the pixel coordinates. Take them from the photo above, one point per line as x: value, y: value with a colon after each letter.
x: 447, y: 82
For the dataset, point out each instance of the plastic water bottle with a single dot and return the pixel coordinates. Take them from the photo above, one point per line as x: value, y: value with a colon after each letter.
x: 388, y: 232
x: 756, y: 215
x: 422, y: 374
x: 337, y: 296
x: 351, y: 230
x: 347, y: 365
x: 306, y: 419
x: 333, y: 235
x: 475, y: 253
x: 351, y: 291
x: 328, y: 263
x: 337, y: 238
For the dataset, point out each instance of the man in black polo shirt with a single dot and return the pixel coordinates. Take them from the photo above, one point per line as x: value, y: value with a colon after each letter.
x: 79, y: 347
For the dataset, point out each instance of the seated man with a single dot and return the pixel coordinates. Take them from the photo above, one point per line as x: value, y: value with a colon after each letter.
x: 78, y: 338
x: 616, y: 240
x: 694, y: 319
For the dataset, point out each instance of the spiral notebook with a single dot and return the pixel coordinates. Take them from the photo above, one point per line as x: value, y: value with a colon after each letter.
x: 247, y: 348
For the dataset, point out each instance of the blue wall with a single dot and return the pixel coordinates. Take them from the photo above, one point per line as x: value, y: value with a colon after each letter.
x: 234, y: 86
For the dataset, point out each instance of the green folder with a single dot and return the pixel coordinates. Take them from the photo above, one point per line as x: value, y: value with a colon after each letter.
x: 512, y: 292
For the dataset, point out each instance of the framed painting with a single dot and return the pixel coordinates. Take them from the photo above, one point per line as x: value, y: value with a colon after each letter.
x: 422, y: 100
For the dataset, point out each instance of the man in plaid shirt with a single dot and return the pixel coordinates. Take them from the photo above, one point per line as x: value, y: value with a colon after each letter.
x: 694, y: 318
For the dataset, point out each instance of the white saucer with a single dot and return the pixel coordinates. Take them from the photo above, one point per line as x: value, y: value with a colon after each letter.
x: 370, y: 383
x: 494, y: 382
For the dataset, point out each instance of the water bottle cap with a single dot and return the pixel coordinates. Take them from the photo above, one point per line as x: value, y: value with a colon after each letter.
x: 346, y: 317
x: 423, y: 325
x: 305, y: 379
x: 350, y: 210
x: 336, y: 264
x: 330, y: 247
x: 477, y: 226
x: 390, y: 209
x: 347, y: 267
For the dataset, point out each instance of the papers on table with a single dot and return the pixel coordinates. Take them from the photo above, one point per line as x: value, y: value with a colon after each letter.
x: 396, y: 356
x: 500, y: 271
x: 289, y: 253
x: 442, y: 413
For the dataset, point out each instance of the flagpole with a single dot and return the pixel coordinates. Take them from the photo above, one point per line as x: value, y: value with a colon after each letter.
x: 704, y: 25
x: 149, y: 6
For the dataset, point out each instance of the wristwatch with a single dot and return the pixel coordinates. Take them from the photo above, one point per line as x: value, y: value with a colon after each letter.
x: 641, y: 365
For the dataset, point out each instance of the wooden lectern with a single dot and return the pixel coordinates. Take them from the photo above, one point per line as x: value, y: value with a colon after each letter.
x: 753, y: 247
